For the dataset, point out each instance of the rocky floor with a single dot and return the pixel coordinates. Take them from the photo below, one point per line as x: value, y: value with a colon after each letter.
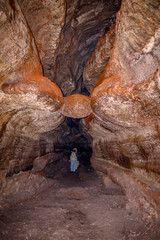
x: 76, y: 207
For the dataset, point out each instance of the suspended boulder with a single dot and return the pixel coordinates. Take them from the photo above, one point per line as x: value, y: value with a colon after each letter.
x: 76, y: 106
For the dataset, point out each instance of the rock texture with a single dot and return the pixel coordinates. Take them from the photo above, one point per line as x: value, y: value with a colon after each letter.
x: 30, y: 103
x: 17, y: 44
x: 23, y: 186
x: 86, y: 21
x: 125, y: 126
x: 46, y: 20
x: 97, y: 62
x: 80, y: 200
x: 128, y: 101
x: 76, y: 106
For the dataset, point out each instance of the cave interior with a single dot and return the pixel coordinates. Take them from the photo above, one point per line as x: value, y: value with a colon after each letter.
x: 81, y: 74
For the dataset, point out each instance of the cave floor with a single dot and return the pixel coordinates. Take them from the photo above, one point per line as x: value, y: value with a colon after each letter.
x: 77, y: 207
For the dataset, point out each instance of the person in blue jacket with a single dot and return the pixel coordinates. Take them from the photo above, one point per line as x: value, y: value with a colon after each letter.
x: 74, y: 160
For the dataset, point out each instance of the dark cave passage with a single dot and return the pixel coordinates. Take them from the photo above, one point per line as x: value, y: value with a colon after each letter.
x: 71, y: 134
x: 79, y: 139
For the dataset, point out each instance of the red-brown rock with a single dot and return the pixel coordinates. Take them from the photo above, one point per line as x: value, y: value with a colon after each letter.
x: 98, y: 60
x: 38, y: 85
x: 30, y: 103
x: 126, y: 101
x: 46, y: 19
x: 125, y: 104
x: 142, y: 195
x: 76, y: 106
x: 23, y: 186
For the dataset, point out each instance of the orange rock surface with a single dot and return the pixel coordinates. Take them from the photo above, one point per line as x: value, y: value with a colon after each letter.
x: 76, y: 106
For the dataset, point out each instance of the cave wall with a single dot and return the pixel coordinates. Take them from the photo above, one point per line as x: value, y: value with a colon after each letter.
x: 126, y: 99
x: 125, y: 124
x: 30, y: 103
x: 67, y: 35
x: 46, y: 20
x: 97, y: 62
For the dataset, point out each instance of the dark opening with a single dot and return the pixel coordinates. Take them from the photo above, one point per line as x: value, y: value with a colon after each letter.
x: 71, y: 134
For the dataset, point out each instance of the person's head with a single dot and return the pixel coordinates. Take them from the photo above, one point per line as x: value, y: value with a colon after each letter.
x: 74, y: 149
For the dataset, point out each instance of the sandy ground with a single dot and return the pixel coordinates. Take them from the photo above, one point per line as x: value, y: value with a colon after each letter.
x: 76, y: 207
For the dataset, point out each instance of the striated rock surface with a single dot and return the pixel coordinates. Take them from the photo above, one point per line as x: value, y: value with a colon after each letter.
x: 142, y: 194
x: 86, y: 21
x: 31, y: 108
x: 46, y: 20
x: 133, y: 67
x: 126, y: 125
x: 127, y: 102
x: 17, y: 44
x: 97, y: 62
x: 30, y: 103
x: 136, y: 45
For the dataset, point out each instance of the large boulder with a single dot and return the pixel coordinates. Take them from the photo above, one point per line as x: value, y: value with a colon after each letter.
x: 76, y: 106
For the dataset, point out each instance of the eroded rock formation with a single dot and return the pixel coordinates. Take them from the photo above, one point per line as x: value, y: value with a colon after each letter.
x: 57, y: 38
x: 98, y: 60
x: 86, y: 21
x: 126, y: 101
x: 76, y: 106
x: 46, y: 20
x: 30, y: 103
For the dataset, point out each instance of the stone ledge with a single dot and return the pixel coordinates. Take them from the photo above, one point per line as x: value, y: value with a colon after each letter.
x: 141, y: 193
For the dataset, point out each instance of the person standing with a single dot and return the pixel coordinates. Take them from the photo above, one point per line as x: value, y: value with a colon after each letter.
x: 74, y: 160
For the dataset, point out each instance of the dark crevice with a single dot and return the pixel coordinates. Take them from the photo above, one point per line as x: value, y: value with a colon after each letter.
x: 79, y: 37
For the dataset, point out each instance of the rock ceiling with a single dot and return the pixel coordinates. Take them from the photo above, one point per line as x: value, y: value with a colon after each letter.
x: 48, y: 70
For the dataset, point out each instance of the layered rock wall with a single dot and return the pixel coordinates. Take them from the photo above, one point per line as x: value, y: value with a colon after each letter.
x: 97, y: 62
x: 30, y: 103
x: 126, y: 100
x: 46, y: 20
x: 125, y: 126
